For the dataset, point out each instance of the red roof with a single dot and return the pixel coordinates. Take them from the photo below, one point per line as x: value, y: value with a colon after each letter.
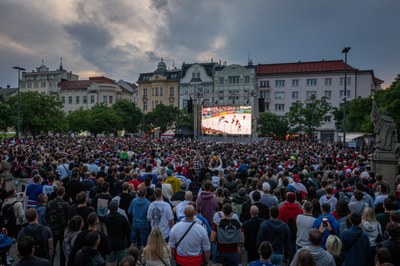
x: 83, y: 84
x: 304, y: 67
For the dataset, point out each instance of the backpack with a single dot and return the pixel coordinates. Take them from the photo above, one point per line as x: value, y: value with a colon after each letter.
x: 237, y: 208
x: 345, y: 195
x: 229, y: 231
x: 40, y: 248
x: 8, y: 214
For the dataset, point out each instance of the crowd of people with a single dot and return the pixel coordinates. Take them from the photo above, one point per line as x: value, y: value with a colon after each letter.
x: 118, y: 201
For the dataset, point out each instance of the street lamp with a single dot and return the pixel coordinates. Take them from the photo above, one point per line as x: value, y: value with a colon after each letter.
x: 345, y: 51
x: 19, y: 103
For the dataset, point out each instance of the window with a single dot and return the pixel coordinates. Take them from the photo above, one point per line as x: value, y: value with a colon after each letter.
x: 327, y: 118
x: 198, y: 75
x: 105, y: 99
x: 295, y: 82
x: 144, y: 106
x: 85, y: 99
x: 171, y: 102
x: 171, y: 91
x: 246, y: 79
x: 152, y: 91
x: 221, y: 80
x: 156, y: 93
x: 310, y: 94
x: 233, y: 79
x: 70, y: 99
x: 63, y: 100
x: 341, y: 93
x: 193, y: 75
x: 311, y: 82
x: 161, y: 91
x: 110, y: 100
x: 77, y: 99
x: 264, y: 83
x: 328, y: 82
x: 29, y: 85
x: 43, y: 85
x: 295, y: 94
x: 51, y: 84
x: 279, y: 95
x: 279, y: 107
x: 145, y: 92
x: 342, y: 81
x: 280, y: 83
x: 91, y: 98
x: 328, y: 94
x: 36, y: 85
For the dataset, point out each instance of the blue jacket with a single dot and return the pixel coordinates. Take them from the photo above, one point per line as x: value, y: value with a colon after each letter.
x: 355, y: 246
x: 334, y: 224
x: 138, y: 211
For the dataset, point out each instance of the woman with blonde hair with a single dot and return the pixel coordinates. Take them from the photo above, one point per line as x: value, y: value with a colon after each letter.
x: 373, y: 230
x: 334, y: 247
x: 157, y: 252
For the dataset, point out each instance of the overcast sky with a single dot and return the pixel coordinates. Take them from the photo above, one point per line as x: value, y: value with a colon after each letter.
x: 122, y: 38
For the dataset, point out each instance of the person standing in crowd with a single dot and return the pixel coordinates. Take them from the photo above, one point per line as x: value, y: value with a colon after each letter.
x: 118, y: 233
x: 101, y: 201
x: 393, y: 243
x: 358, y: 205
x: 265, y: 252
x: 42, y: 235
x: 355, y: 243
x: 124, y: 198
x: 13, y: 214
x: 263, y: 211
x: 189, y: 241
x: 277, y: 233
x: 322, y: 257
x: 251, y: 228
x: 26, y: 248
x: 156, y: 252
x: 304, y: 223
x: 227, y: 233
x: 326, y: 224
x: 41, y: 208
x: 334, y: 247
x: 328, y: 198
x: 173, y: 181
x: 159, y: 214
x: 89, y: 255
x: 373, y: 230
x: 57, y: 217
x: 74, y: 186
x: 266, y: 198
x: 208, y: 202
x: 138, y: 213
x: 33, y: 190
x: 80, y: 208
x: 180, y: 208
x: 74, y: 227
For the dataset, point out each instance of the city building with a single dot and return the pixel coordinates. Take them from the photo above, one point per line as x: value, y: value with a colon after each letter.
x: 131, y: 87
x: 87, y: 93
x: 280, y: 85
x: 158, y: 87
x: 44, y: 80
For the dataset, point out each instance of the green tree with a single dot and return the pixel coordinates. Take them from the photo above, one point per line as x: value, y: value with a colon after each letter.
x: 78, y: 120
x: 163, y: 117
x: 131, y: 115
x: 308, y: 115
x: 38, y: 113
x: 357, y: 115
x: 270, y: 124
x: 4, y: 115
x: 103, y: 119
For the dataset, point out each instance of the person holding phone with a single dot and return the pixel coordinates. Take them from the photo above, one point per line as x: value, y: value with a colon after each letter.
x: 326, y: 224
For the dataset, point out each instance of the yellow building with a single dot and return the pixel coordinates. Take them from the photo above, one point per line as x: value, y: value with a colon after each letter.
x: 158, y: 87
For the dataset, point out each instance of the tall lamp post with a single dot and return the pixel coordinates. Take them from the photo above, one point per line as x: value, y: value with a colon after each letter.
x: 345, y: 51
x: 19, y: 103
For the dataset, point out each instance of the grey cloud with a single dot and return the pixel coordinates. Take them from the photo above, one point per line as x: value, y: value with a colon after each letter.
x: 159, y: 4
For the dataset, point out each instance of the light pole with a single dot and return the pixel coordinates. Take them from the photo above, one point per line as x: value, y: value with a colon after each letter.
x: 345, y: 51
x: 19, y: 103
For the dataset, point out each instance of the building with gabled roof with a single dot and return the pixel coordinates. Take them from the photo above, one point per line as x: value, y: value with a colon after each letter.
x: 280, y: 85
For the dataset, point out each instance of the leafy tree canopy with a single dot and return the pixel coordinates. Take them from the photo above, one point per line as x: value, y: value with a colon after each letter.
x: 270, y: 124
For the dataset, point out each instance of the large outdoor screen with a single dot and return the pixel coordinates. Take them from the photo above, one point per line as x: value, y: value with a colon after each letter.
x: 230, y: 120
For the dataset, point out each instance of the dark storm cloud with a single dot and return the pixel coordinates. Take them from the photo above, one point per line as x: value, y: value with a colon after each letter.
x: 159, y: 4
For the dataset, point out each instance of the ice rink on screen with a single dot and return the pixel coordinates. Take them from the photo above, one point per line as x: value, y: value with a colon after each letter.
x: 225, y: 124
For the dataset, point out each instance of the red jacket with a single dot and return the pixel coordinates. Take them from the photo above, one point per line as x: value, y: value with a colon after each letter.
x: 289, y: 211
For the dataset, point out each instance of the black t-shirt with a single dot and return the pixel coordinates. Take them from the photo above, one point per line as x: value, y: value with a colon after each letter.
x: 83, y: 212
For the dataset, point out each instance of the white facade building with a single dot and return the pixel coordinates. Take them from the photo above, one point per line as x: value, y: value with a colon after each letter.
x: 45, y: 81
x: 87, y: 93
x: 280, y: 85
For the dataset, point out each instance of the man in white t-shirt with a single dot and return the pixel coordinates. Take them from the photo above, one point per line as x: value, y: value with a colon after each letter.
x: 160, y: 214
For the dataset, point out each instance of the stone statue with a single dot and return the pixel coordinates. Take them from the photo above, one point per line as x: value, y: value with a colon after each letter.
x: 7, y: 177
x: 384, y: 129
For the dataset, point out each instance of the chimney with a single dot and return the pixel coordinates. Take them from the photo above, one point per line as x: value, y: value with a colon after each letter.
x: 219, y: 62
x: 224, y: 63
x: 212, y: 60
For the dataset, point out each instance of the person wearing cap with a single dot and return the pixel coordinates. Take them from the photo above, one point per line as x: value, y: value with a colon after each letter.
x: 180, y: 195
x: 118, y: 232
x: 266, y: 198
x: 296, y: 185
x: 171, y: 179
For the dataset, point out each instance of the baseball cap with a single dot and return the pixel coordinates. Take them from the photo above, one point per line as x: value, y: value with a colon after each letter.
x: 266, y: 186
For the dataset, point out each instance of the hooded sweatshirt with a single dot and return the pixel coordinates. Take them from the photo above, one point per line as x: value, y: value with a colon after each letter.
x: 355, y: 246
x: 208, y: 203
x: 138, y: 210
x: 322, y: 257
x: 89, y: 257
x: 277, y: 233
x: 118, y: 230
x: 289, y: 211
x: 372, y: 230
x: 332, y: 221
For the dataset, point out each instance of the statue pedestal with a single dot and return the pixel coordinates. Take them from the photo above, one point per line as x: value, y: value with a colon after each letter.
x: 386, y: 164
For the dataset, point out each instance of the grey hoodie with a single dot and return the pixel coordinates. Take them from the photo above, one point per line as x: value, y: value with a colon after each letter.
x: 372, y: 230
x: 321, y: 256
